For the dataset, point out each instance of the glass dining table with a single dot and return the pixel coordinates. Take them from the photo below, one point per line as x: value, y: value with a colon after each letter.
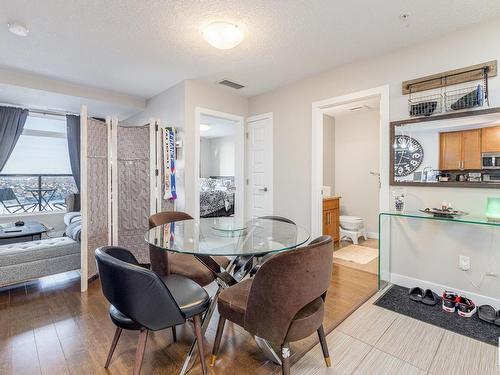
x: 240, y: 241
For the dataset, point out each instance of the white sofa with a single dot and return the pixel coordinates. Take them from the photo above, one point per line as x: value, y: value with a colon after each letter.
x: 30, y: 260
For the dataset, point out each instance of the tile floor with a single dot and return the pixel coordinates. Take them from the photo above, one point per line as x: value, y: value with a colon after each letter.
x: 375, y: 341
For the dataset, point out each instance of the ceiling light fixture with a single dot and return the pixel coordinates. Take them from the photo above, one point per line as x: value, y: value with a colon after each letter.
x: 18, y: 29
x: 222, y: 35
x: 204, y: 127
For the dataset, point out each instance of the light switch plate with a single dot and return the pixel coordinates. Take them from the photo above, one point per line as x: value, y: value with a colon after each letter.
x: 464, y: 262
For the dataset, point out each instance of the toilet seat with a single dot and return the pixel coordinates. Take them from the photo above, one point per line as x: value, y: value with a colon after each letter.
x: 352, y: 227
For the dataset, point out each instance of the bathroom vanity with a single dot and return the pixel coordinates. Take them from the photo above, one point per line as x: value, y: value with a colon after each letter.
x: 331, y: 218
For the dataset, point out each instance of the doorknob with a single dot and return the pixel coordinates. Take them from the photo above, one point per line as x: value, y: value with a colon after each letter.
x: 263, y: 189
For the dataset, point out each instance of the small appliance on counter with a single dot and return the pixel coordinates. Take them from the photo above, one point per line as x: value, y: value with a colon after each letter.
x: 491, y: 176
x: 444, y: 177
x: 474, y: 176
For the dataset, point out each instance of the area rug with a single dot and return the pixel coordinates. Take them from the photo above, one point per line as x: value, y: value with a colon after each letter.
x: 396, y: 299
x: 356, y: 253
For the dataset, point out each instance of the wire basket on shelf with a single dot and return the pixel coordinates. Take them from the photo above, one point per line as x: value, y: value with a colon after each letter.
x: 465, y: 97
x: 425, y: 105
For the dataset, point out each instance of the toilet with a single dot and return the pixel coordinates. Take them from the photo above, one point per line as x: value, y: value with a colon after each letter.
x: 352, y: 227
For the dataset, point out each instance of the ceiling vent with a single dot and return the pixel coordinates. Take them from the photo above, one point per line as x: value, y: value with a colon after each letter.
x: 231, y: 84
x: 359, y: 108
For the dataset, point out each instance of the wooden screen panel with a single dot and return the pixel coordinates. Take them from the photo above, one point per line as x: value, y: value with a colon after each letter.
x: 133, y: 153
x: 97, y: 190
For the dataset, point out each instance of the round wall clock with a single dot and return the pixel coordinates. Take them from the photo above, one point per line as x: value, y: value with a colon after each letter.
x: 408, y: 155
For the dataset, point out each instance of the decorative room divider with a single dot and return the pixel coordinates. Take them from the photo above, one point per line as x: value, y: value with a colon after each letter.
x: 122, y: 185
x: 94, y: 192
x: 133, y: 189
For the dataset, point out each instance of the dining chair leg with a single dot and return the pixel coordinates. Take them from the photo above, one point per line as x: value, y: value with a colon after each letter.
x: 285, y: 359
x: 116, y: 337
x: 139, y: 352
x: 324, y: 346
x: 218, y: 337
x: 199, y: 339
x: 174, y: 333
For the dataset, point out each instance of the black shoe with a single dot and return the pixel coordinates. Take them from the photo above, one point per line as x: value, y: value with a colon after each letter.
x: 449, y: 301
x: 466, y: 308
x: 430, y: 298
x: 416, y: 294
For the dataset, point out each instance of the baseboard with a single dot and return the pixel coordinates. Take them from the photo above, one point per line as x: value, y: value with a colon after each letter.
x: 410, y: 282
x: 373, y: 235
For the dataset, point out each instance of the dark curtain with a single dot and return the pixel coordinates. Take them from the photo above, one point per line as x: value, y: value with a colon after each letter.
x: 73, y: 134
x: 12, y: 122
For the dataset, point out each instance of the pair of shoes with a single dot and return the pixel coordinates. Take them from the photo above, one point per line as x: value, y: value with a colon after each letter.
x: 427, y: 297
x: 489, y: 314
x: 463, y: 306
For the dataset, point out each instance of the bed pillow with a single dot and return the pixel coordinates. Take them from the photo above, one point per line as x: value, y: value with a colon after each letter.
x: 207, y: 184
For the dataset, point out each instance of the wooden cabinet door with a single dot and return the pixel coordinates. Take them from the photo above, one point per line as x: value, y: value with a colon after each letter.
x: 450, y: 150
x: 471, y: 149
x: 491, y: 139
x: 336, y: 224
x: 327, y: 223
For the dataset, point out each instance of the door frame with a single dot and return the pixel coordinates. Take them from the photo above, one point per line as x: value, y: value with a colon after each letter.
x: 318, y: 109
x: 263, y: 116
x: 239, y: 162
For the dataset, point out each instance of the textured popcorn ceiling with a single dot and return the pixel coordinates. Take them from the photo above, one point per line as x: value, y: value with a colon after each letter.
x: 142, y: 47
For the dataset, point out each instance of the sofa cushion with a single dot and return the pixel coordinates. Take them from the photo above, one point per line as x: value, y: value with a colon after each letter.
x: 71, y: 217
x: 24, y: 252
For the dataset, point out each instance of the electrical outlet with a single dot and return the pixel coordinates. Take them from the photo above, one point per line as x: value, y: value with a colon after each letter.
x: 464, y: 262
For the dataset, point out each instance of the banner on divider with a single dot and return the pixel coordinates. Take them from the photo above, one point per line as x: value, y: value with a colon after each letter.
x: 168, y: 137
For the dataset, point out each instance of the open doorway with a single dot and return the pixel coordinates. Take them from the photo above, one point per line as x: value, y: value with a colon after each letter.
x: 351, y: 181
x: 350, y: 178
x: 220, y: 177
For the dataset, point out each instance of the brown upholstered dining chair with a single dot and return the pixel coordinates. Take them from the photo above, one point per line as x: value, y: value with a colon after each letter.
x: 284, y: 302
x: 181, y: 264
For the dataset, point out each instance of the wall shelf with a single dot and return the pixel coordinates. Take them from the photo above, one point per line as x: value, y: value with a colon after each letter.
x: 450, y: 77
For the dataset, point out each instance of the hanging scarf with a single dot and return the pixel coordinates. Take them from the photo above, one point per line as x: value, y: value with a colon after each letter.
x: 168, y: 137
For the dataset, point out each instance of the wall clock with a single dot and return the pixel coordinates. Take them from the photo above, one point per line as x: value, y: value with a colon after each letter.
x: 408, y: 155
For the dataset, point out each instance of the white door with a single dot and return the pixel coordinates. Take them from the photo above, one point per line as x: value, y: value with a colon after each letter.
x: 260, y: 165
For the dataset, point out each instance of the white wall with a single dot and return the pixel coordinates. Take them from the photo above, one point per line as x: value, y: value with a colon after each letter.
x: 356, y: 154
x: 217, y: 156
x: 169, y: 107
x: 292, y: 108
x: 176, y: 107
x: 329, y: 152
x: 203, y: 95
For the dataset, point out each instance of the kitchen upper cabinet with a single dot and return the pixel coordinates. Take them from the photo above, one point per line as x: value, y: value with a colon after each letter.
x: 471, y: 149
x: 491, y: 139
x: 451, y: 150
x: 460, y: 150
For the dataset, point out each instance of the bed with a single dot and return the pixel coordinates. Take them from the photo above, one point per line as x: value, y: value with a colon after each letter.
x: 217, y: 196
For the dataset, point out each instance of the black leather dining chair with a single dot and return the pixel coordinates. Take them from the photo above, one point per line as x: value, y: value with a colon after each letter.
x: 143, y: 301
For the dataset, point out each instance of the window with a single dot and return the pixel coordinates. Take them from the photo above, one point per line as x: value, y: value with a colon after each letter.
x: 37, y: 176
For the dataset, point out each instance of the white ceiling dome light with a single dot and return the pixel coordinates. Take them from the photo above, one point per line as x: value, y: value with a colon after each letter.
x: 222, y: 35
x: 18, y: 29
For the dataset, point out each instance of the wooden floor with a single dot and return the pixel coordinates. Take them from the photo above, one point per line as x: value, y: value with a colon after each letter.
x: 49, y: 327
x: 377, y: 341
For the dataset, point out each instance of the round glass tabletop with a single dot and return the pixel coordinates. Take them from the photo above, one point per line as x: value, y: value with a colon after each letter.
x: 227, y: 236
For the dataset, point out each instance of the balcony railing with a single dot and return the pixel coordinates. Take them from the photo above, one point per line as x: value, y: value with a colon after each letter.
x: 20, y: 193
